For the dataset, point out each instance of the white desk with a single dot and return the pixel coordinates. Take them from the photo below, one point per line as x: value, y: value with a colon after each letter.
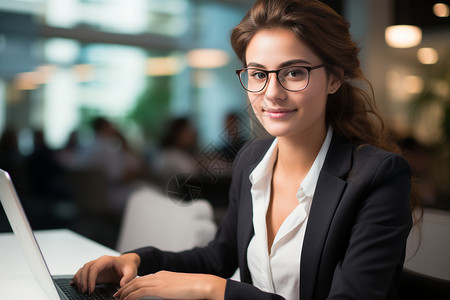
x: 64, y: 251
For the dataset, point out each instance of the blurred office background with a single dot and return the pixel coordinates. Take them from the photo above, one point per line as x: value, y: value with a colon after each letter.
x: 159, y: 76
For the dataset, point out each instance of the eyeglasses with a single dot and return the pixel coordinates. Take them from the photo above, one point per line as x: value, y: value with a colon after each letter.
x: 293, y: 78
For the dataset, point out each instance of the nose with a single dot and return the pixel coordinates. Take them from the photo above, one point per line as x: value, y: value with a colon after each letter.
x: 274, y: 91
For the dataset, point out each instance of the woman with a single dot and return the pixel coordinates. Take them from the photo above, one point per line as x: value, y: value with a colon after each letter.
x: 320, y: 212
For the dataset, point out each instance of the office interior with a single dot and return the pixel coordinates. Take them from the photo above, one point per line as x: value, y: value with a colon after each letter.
x: 154, y: 71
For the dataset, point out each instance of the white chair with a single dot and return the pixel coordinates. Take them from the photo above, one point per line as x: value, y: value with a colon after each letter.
x: 152, y: 219
x: 428, y: 248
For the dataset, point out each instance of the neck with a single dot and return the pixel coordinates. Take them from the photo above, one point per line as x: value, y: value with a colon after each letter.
x: 297, y: 154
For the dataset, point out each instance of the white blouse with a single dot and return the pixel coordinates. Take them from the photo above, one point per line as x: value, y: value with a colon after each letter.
x: 279, y: 272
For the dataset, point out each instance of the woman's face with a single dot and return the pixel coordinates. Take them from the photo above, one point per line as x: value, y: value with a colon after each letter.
x: 284, y: 113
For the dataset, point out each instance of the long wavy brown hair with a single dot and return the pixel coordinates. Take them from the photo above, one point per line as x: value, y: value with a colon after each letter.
x: 351, y: 111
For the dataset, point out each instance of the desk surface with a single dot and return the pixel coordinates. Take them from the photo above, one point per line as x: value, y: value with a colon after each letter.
x: 64, y: 251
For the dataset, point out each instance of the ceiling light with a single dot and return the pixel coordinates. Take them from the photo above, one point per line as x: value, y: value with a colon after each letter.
x: 441, y: 10
x: 164, y: 66
x: 207, y: 58
x: 427, y: 56
x: 403, y: 36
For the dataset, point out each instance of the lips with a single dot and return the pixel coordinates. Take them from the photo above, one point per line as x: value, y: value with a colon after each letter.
x: 278, y: 113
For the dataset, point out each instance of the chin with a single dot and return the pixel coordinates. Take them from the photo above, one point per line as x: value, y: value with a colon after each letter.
x: 278, y: 132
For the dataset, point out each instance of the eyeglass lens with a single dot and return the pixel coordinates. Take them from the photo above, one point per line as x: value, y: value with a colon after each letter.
x: 291, y: 78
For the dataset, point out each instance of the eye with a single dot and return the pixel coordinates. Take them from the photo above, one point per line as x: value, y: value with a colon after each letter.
x: 257, y: 74
x: 294, y: 73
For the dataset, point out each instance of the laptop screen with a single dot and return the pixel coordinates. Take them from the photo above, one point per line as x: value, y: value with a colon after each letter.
x: 22, y: 231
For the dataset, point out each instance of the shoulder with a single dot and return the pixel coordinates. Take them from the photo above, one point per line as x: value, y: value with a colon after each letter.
x: 363, y: 162
x: 378, y: 164
x: 372, y: 155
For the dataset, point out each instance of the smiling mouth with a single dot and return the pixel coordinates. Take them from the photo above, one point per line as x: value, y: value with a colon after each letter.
x: 278, y: 113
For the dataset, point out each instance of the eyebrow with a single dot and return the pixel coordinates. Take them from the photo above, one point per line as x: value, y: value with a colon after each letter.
x: 283, y: 64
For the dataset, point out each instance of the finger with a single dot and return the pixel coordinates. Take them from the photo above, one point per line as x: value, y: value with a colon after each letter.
x: 97, y: 267
x: 80, y: 278
x: 124, y: 291
x: 139, y: 293
x: 127, y: 276
x: 75, y: 279
x: 121, y: 290
x: 84, y: 274
x: 92, y: 275
x: 91, y: 279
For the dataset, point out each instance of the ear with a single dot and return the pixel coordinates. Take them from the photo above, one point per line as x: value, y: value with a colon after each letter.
x: 335, y: 78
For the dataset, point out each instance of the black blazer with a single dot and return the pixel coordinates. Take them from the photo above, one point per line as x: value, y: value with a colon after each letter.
x: 354, y: 244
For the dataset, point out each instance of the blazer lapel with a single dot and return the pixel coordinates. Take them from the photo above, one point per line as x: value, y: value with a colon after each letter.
x: 330, y: 186
x: 246, y: 225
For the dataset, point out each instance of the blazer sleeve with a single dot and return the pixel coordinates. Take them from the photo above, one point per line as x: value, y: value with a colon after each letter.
x: 375, y: 252
x: 243, y: 291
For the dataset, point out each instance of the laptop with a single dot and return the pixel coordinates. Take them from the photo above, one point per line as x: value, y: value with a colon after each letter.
x: 56, y: 287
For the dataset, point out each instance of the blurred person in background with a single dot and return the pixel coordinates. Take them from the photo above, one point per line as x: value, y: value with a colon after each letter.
x: 177, y: 150
x: 47, y: 175
x: 67, y: 155
x: 110, y: 154
x: 49, y: 187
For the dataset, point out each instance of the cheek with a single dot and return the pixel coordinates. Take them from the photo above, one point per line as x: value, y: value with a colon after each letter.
x: 316, y: 105
x: 255, y: 102
x: 316, y: 97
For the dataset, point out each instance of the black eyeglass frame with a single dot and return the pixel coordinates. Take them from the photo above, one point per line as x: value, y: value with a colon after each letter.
x: 308, y: 69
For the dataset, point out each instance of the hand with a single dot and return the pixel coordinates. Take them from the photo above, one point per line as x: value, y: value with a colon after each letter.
x: 171, y: 285
x: 107, y: 269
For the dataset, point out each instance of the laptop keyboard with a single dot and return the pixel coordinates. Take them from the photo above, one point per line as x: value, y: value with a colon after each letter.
x: 101, y: 292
